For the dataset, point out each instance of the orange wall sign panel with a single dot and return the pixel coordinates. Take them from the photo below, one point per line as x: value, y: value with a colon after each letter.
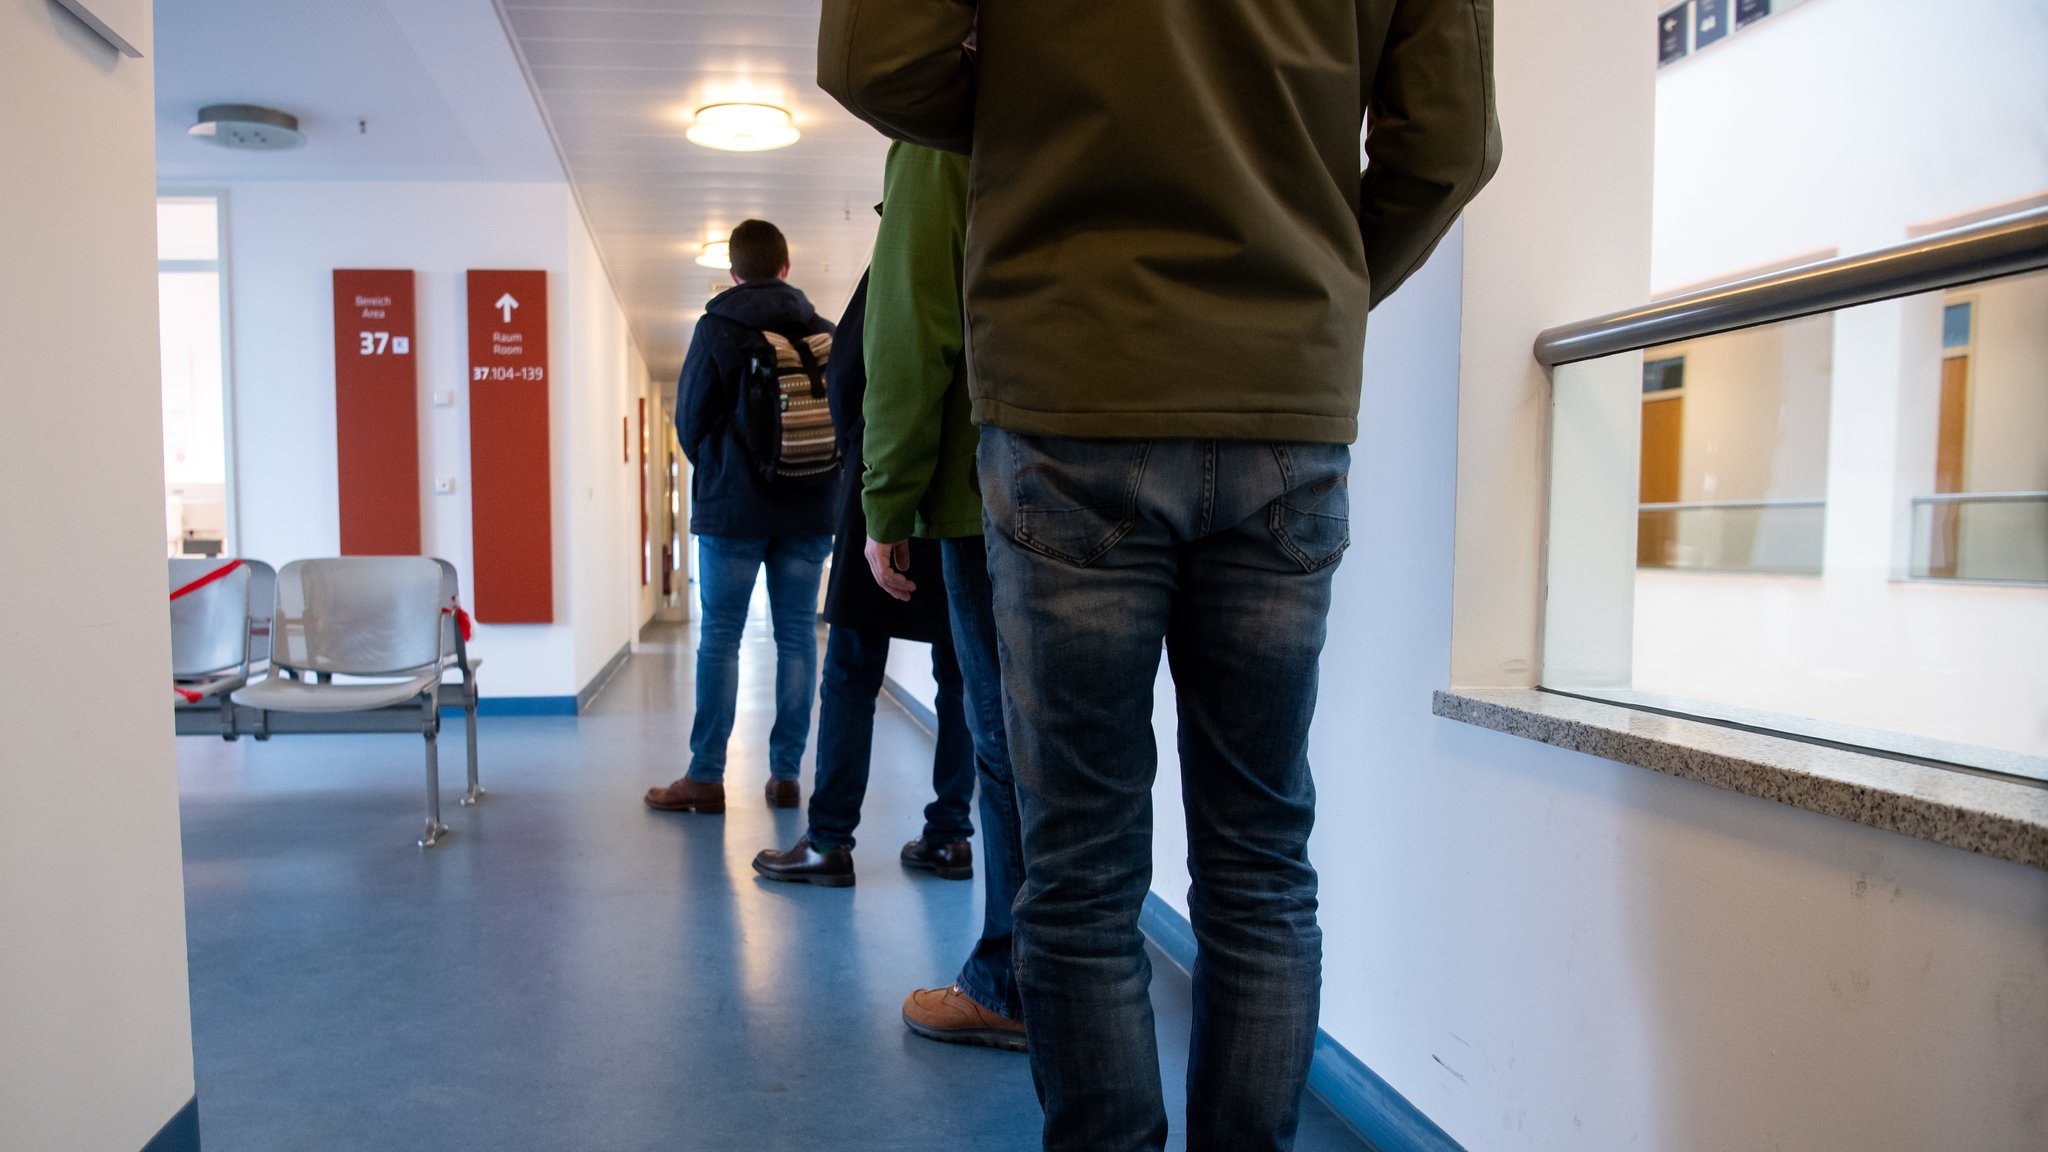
x: 376, y: 412
x: 510, y: 475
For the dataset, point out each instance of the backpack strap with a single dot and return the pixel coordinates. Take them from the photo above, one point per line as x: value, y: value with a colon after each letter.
x: 801, y: 343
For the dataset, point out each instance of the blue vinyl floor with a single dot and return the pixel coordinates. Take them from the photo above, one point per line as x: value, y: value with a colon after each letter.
x: 570, y: 971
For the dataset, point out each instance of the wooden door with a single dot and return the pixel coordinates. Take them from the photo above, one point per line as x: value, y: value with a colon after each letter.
x: 1950, y: 450
x: 1663, y: 454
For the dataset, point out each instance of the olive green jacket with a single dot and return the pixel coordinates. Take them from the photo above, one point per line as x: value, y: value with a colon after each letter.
x: 920, y: 436
x: 1168, y: 232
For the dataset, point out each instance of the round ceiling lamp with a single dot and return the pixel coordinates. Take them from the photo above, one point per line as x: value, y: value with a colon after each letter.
x: 742, y: 128
x: 716, y: 254
x: 247, y: 127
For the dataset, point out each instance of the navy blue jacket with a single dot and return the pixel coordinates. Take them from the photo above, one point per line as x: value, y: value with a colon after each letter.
x: 728, y: 497
x: 852, y: 598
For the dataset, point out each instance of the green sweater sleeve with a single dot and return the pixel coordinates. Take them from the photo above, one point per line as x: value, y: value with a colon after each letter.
x: 916, y: 333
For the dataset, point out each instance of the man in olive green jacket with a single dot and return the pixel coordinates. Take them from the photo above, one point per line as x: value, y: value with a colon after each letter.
x: 919, y: 445
x: 1170, y: 256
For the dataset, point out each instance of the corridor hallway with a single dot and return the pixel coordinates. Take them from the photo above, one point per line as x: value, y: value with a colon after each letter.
x: 570, y: 971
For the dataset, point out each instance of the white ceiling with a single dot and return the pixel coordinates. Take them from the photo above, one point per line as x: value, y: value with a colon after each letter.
x: 445, y: 98
x: 435, y: 80
x: 619, y: 80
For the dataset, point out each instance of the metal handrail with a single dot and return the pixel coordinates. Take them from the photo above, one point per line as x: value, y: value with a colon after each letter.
x: 2003, y: 247
x: 1688, y: 505
x: 1981, y: 498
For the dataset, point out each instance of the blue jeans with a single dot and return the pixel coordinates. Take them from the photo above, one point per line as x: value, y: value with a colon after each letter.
x: 1221, y: 552
x: 989, y: 978
x: 730, y: 565
x: 855, y: 664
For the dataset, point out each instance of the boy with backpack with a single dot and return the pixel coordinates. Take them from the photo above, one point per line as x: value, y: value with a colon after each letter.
x: 756, y: 425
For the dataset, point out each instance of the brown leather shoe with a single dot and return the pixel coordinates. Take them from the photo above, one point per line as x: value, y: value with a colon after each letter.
x: 950, y: 860
x: 948, y: 1016
x: 687, y: 795
x: 805, y: 864
x: 782, y: 793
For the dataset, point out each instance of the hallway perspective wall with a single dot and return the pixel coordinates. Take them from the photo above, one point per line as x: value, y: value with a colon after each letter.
x: 284, y: 240
x: 95, y: 1032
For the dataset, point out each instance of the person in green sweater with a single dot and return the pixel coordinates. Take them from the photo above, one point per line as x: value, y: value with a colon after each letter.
x: 920, y: 448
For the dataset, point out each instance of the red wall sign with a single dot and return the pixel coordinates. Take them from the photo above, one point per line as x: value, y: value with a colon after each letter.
x: 510, y: 478
x: 376, y: 412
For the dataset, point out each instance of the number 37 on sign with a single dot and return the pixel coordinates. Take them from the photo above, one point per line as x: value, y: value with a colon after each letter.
x: 382, y: 343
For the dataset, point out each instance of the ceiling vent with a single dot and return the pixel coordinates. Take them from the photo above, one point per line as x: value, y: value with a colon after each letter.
x: 248, y: 127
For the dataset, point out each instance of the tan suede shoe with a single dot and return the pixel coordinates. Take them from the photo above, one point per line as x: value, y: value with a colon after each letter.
x: 948, y: 1016
x: 687, y: 795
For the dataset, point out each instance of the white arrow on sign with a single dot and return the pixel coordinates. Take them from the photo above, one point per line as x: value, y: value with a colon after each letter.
x: 506, y: 304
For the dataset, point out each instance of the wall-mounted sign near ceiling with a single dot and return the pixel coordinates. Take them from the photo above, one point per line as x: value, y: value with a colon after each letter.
x: 1671, y: 35
x: 122, y: 23
x: 376, y: 412
x: 1709, y: 22
x: 1748, y: 12
x: 510, y: 476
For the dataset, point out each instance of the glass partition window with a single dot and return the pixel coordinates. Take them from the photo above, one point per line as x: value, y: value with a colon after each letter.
x: 1835, y: 526
x: 190, y: 327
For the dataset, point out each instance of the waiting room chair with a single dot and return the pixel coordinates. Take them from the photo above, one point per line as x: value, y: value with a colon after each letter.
x: 220, y: 636
x: 388, y: 626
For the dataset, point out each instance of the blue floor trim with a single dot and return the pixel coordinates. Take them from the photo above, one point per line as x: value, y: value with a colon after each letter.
x: 1381, y: 1116
x: 180, y: 1133
x: 526, y: 706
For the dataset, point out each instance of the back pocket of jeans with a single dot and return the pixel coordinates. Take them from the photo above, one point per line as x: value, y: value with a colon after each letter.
x: 1074, y: 499
x: 1313, y: 522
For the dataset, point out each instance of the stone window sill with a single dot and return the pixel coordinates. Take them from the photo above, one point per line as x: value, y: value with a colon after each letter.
x: 2002, y: 818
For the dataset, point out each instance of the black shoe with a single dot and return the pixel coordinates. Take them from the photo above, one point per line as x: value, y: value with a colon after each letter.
x: 782, y: 793
x: 949, y: 860
x: 803, y: 864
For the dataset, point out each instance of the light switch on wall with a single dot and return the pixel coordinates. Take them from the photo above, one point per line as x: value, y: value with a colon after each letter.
x: 445, y: 485
x: 445, y: 399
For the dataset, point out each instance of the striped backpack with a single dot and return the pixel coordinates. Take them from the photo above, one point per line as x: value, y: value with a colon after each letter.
x: 785, y: 418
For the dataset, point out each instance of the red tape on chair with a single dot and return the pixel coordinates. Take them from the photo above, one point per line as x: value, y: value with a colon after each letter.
x: 219, y: 573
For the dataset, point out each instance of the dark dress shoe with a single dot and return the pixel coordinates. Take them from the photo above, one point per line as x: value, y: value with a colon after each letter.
x: 948, y: 860
x: 687, y: 795
x: 782, y: 793
x: 803, y: 864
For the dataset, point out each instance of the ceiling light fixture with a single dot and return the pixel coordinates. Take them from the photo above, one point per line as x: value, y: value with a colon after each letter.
x: 743, y: 128
x: 716, y: 254
x: 248, y: 127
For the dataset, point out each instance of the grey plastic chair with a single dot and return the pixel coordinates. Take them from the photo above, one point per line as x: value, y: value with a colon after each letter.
x: 209, y: 628
x: 385, y: 623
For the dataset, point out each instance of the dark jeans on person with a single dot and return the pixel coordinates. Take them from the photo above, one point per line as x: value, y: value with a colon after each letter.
x: 855, y: 664
x: 989, y: 977
x: 1223, y: 553
x: 729, y: 566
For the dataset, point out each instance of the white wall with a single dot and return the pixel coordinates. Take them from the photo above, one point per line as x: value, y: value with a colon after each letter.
x: 1756, y: 412
x: 285, y: 240
x: 1841, y: 124
x: 603, y: 524
x: 95, y: 1031
x: 1543, y: 950
x: 2008, y: 417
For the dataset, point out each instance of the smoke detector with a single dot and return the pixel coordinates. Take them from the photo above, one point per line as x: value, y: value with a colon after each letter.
x: 248, y: 127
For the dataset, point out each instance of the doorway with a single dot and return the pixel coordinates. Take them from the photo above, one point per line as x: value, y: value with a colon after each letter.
x: 191, y: 323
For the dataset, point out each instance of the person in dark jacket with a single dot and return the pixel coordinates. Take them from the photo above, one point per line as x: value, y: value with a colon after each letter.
x: 1170, y: 255
x: 744, y: 523
x: 864, y: 620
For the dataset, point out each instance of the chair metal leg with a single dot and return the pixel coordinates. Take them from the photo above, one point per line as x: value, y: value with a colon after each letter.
x: 435, y: 829
x: 475, y: 792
